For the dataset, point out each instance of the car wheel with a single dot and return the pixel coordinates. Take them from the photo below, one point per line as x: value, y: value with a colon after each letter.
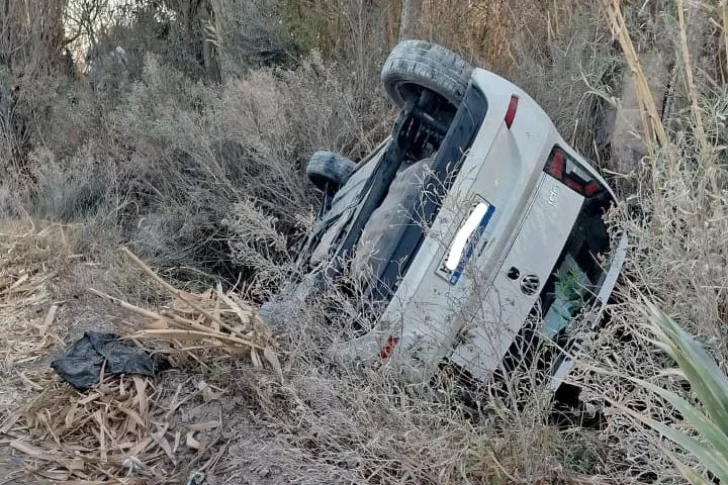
x: 327, y: 169
x: 414, y: 65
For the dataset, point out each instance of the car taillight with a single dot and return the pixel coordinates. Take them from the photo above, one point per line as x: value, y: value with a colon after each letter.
x: 592, y: 188
x: 566, y: 170
x: 388, y: 348
x: 555, y: 165
x: 573, y: 184
x: 511, y: 113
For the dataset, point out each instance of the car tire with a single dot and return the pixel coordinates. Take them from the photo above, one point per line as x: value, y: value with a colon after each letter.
x: 325, y: 169
x: 414, y: 65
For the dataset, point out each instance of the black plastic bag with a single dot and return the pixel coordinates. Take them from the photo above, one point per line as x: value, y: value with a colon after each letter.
x: 81, y: 365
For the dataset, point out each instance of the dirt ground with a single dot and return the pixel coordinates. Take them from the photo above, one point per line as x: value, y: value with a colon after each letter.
x: 191, y: 421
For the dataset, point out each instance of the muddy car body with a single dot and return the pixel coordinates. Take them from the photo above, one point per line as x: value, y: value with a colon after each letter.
x: 477, y: 225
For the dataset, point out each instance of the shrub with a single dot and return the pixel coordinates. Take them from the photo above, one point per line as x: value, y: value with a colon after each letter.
x: 168, y: 159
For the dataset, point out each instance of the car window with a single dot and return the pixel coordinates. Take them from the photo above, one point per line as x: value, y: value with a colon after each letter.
x: 570, y: 295
x: 578, y: 273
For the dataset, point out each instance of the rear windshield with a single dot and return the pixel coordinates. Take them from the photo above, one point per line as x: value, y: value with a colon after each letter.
x: 578, y: 274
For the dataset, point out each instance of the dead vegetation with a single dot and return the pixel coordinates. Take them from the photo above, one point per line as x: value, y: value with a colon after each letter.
x: 122, y: 428
x: 94, y: 437
x: 216, y: 317
x: 126, y: 430
x: 33, y: 259
x: 210, y: 172
x: 677, y: 255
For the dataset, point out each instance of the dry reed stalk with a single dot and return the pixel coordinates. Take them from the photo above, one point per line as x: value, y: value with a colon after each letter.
x: 724, y: 12
x: 212, y: 317
x: 652, y: 126
x: 689, y: 78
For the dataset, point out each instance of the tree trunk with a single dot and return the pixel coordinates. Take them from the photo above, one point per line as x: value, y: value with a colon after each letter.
x: 210, y: 53
x: 411, y: 19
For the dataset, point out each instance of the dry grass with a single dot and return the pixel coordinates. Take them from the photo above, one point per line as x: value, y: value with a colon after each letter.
x: 677, y: 258
x: 108, y: 433
x: 124, y: 428
x: 653, y: 129
x: 213, y: 173
x: 127, y: 429
x: 32, y: 260
x: 214, y: 318
x: 34, y: 257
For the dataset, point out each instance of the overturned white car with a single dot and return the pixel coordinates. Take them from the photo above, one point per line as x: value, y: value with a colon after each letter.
x: 480, y: 230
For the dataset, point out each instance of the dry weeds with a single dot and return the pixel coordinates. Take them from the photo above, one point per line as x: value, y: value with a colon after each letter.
x: 126, y: 430
x: 214, y: 316
x: 108, y: 433
x: 123, y: 428
x: 324, y: 422
x: 32, y: 257
x: 677, y: 257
